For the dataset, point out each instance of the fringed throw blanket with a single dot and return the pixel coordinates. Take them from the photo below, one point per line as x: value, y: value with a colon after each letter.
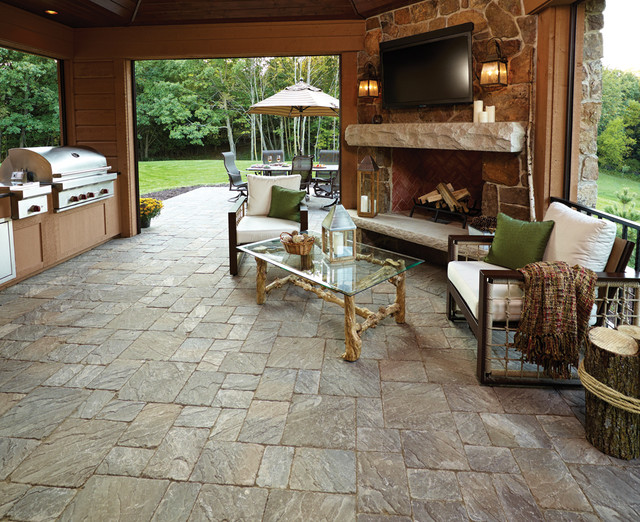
x: 555, y: 315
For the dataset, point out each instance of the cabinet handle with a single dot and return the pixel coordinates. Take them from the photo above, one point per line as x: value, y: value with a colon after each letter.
x: 34, y: 208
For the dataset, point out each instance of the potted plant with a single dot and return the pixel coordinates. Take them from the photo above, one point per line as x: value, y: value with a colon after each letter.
x: 149, y: 208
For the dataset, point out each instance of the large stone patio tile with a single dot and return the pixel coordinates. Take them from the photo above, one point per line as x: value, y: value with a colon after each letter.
x: 403, y: 371
x: 434, y: 449
x: 613, y: 491
x: 550, y: 481
x: 121, y: 410
x: 228, y: 463
x: 13, y: 452
x: 115, y: 499
x: 427, y: 484
x: 439, y: 511
x: 228, y: 425
x: 157, y: 381
x: 10, y: 493
x: 150, y: 426
x: 480, y: 497
x: 516, y: 499
x: 229, y: 503
x: 490, y: 459
x: 514, y: 431
x: 321, y: 421
x: 238, y: 362
x: 275, y: 467
x: 265, y: 422
x: 125, y: 461
x: 382, y: 484
x: 136, y: 318
x: 410, y: 405
x: 379, y: 439
x: 32, y: 376
x: 177, y: 503
x: 329, y: 471
x: 276, y: 384
x: 450, y: 366
x: 200, y: 389
x: 71, y: 454
x: 304, y: 505
x: 357, y: 379
x: 41, y: 503
x: 40, y: 412
x: 177, y: 454
x: 115, y: 375
x: 304, y: 354
x: 471, y: 429
x: 538, y: 401
x: 472, y: 399
x: 154, y: 346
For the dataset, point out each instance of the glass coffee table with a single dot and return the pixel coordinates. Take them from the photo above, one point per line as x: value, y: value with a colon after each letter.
x: 314, y: 273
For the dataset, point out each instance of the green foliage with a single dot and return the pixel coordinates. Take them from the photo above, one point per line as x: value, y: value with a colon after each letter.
x: 618, y: 88
x: 614, y: 145
x: 627, y: 205
x: 29, y: 105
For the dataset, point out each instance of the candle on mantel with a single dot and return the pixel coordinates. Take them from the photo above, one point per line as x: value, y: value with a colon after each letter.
x: 483, y: 117
x: 477, y: 109
x: 364, y: 204
x: 491, y: 113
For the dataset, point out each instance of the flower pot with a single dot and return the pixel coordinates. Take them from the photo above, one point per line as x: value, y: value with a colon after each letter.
x: 145, y: 221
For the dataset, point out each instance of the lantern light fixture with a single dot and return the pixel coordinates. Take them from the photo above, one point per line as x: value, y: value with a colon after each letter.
x: 369, y: 86
x: 368, y: 180
x: 494, y: 68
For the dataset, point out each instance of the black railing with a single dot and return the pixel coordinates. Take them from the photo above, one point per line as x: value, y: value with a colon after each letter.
x: 626, y: 225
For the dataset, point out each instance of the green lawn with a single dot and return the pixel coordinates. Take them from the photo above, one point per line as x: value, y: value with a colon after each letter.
x: 609, y: 184
x: 162, y: 175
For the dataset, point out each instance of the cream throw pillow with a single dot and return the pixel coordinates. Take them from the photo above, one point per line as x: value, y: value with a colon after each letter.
x: 259, y: 188
x: 578, y: 239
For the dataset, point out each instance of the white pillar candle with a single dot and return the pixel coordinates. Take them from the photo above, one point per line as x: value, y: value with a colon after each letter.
x: 491, y: 113
x: 477, y: 109
x: 483, y: 117
x: 364, y: 203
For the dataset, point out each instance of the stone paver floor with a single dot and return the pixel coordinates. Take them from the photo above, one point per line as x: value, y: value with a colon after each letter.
x: 139, y: 381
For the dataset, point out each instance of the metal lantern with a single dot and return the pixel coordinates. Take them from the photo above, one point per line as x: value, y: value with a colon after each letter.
x: 494, y: 68
x: 338, y: 236
x: 368, y: 187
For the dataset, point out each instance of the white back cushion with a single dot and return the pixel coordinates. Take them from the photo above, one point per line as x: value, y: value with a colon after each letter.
x: 578, y: 239
x: 259, y: 188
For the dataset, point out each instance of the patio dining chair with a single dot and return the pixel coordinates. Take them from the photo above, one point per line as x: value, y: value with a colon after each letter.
x: 326, y: 184
x: 303, y: 165
x: 235, y: 177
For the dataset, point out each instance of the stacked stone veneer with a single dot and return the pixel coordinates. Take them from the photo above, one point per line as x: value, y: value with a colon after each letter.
x: 591, y: 102
x: 504, y: 174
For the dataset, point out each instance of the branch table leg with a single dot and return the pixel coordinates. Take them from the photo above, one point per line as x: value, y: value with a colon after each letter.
x: 352, y: 341
x: 400, y: 298
x: 261, y: 281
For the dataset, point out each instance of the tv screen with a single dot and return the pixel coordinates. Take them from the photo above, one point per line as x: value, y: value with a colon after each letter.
x: 428, y: 69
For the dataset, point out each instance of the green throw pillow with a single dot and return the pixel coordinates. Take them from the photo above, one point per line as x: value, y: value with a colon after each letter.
x: 518, y: 243
x: 285, y: 203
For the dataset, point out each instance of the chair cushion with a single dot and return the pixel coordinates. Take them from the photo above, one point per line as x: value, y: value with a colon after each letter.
x: 259, y: 228
x: 285, y: 203
x: 518, y: 243
x: 579, y: 239
x: 259, y: 189
x: 465, y: 276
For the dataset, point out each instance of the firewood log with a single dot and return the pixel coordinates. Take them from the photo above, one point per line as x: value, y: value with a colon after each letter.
x: 611, y: 357
x: 448, y: 197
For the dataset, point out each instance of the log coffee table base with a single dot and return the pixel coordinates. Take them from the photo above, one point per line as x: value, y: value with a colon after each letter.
x: 352, y: 329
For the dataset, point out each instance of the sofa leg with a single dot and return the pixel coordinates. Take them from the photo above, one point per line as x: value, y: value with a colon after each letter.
x: 233, y: 260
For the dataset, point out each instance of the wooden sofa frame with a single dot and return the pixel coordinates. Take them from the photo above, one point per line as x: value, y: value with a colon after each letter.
x: 236, y: 214
x: 617, y: 300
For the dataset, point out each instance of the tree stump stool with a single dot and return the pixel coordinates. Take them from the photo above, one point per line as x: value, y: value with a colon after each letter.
x: 611, y: 377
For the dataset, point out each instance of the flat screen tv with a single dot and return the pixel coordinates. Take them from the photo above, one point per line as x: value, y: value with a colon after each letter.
x: 433, y: 68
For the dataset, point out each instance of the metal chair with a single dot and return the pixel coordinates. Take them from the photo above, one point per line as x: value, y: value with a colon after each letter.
x: 327, y: 184
x: 303, y: 165
x: 235, y: 177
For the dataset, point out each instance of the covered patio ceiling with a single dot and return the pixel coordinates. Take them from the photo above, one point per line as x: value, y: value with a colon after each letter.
x: 121, y: 13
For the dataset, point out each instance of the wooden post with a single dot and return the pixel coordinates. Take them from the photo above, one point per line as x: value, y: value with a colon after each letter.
x: 611, y: 357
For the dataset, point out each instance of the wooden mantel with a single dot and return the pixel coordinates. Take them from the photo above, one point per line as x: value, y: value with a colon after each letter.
x: 508, y: 136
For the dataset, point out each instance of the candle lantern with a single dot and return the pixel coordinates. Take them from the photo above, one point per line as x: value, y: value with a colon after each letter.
x: 338, y: 235
x: 368, y: 187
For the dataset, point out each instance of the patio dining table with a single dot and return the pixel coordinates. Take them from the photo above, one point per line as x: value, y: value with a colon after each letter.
x: 285, y: 168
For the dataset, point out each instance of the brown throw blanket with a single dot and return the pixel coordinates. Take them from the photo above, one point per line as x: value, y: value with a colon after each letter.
x: 555, y: 315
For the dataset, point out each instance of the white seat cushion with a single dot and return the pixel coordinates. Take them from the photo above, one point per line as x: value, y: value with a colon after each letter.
x: 259, y: 228
x: 465, y: 276
x: 578, y: 239
x: 259, y: 188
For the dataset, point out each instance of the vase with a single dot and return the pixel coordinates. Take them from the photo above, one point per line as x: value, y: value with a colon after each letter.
x: 145, y: 221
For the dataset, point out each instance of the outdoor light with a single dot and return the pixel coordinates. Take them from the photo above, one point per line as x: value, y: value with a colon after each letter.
x: 368, y: 187
x: 494, y: 69
x: 368, y: 87
x: 338, y: 236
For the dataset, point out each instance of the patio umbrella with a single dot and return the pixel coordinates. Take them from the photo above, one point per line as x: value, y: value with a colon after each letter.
x: 298, y: 100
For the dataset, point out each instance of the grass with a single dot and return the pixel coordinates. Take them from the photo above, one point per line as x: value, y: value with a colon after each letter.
x: 162, y: 175
x: 611, y: 183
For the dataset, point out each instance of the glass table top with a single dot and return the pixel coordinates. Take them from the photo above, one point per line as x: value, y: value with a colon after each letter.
x: 371, y: 267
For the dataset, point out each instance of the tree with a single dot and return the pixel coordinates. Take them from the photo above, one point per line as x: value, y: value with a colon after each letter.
x: 614, y: 145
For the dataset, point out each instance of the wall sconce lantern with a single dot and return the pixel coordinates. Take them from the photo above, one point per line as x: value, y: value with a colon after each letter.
x: 338, y: 236
x: 369, y: 86
x: 494, y: 68
x: 368, y: 187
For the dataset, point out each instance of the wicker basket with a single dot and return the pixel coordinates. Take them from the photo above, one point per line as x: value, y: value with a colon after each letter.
x: 301, y: 248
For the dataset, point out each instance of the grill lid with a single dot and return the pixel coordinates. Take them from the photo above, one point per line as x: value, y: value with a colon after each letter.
x: 50, y: 163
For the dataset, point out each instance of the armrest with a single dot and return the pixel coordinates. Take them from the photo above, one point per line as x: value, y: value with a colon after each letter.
x: 241, y: 201
x: 455, y: 241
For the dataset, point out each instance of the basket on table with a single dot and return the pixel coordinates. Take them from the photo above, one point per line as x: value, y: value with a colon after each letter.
x: 295, y: 243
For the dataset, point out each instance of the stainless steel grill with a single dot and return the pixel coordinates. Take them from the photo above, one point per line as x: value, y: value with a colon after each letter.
x: 77, y: 175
